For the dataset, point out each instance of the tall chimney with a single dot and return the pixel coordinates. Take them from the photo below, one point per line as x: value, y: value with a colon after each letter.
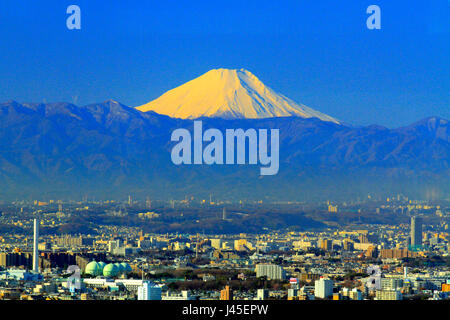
x: 35, y: 246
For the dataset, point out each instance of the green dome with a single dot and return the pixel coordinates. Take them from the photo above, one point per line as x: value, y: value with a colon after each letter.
x: 93, y: 268
x: 119, y: 267
x: 110, y: 270
x: 126, y: 267
x: 102, y: 265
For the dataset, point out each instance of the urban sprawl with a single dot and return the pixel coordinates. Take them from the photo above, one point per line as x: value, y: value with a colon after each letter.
x: 48, y: 252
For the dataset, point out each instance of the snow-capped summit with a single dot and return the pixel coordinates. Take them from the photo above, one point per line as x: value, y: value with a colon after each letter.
x: 228, y: 93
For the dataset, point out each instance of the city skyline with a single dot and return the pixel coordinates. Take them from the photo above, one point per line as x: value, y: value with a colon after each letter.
x: 233, y: 158
x: 121, y: 261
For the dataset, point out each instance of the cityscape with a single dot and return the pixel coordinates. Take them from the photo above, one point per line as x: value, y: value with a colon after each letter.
x: 122, y: 261
x: 222, y: 159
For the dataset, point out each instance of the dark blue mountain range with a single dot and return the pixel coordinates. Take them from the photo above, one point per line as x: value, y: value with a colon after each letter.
x: 108, y: 150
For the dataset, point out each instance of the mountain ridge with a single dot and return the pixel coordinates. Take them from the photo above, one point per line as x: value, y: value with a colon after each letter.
x: 109, y: 149
x: 229, y: 94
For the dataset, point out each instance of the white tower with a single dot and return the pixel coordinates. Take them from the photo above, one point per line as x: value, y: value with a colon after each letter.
x: 35, y: 246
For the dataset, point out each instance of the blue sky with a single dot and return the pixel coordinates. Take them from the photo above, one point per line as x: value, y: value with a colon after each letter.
x: 319, y: 53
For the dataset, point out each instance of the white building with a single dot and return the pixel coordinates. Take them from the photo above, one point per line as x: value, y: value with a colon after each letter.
x: 391, y: 283
x: 262, y: 294
x: 271, y: 271
x: 130, y: 284
x: 355, y: 294
x: 149, y: 291
x: 113, y: 244
x: 185, y: 295
x: 323, y: 288
x: 389, y: 295
x: 216, y: 243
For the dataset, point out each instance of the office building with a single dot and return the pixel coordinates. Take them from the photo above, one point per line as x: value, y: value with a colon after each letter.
x: 262, y: 294
x: 226, y: 294
x: 391, y: 283
x: 323, y: 288
x: 216, y: 244
x: 271, y: 271
x: 416, y: 232
x: 388, y: 295
x: 326, y: 244
x: 149, y: 291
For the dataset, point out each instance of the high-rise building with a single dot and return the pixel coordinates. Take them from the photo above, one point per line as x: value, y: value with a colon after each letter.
x: 216, y: 244
x: 397, y: 253
x: 73, y: 241
x: 271, y: 271
x: 416, y: 232
x: 363, y: 238
x: 323, y: 288
x: 391, y: 283
x: 355, y: 294
x: 16, y: 259
x: 389, y: 295
x: 226, y: 294
x: 114, y: 244
x: 149, y: 291
x: 347, y: 245
x: 326, y: 244
x: 292, y: 293
x: 35, y: 246
x: 262, y: 294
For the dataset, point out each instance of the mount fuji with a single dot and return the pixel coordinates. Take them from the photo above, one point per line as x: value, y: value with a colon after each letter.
x: 229, y: 94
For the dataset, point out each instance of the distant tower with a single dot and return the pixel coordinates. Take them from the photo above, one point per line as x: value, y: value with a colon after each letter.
x: 60, y: 207
x: 148, y: 203
x: 35, y: 246
x: 224, y: 213
x: 416, y: 232
x: 130, y: 200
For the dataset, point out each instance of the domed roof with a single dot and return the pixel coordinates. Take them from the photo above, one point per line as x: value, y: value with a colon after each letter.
x: 126, y: 267
x: 93, y: 268
x: 120, y: 267
x: 101, y: 264
x: 110, y: 270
